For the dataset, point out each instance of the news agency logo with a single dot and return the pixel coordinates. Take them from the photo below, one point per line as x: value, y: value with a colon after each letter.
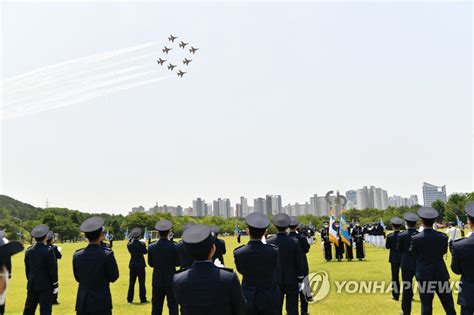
x: 316, y: 286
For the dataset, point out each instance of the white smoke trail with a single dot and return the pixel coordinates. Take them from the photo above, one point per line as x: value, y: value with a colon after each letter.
x: 78, y: 80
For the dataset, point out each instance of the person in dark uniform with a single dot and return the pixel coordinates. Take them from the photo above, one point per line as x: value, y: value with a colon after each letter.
x: 462, y: 263
x: 137, y: 265
x: 8, y: 261
x: 429, y: 247
x: 94, y: 268
x: 220, y: 245
x: 357, y: 235
x: 303, y: 242
x: 326, y: 242
x: 339, y: 246
x: 7, y: 249
x: 205, y: 289
x: 111, y: 240
x: 257, y: 262
x: 408, y: 262
x: 185, y: 260
x: 395, y: 256
x: 163, y: 257
x: 289, y: 274
x: 41, y: 272
x: 348, y: 247
x: 57, y: 253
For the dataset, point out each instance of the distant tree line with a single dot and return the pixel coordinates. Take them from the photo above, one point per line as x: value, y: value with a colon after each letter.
x: 18, y: 218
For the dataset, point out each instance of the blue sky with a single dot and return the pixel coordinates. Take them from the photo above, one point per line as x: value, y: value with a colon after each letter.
x: 283, y: 98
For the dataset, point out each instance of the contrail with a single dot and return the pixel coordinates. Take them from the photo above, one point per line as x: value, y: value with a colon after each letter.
x: 83, y: 98
x: 78, y: 80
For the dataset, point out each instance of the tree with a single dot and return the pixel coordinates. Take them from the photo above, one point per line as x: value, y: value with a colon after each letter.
x: 440, y: 206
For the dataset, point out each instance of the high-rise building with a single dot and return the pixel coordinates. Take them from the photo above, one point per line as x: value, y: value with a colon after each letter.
x: 199, y: 207
x: 244, y: 206
x: 259, y: 205
x: 371, y: 198
x: 432, y: 193
x: 179, y: 211
x: 276, y: 204
x: 222, y: 208
x: 268, y: 205
x: 351, y: 195
x: 138, y: 209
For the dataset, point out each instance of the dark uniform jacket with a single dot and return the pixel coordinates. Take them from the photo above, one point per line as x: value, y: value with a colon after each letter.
x: 403, y: 245
x: 303, y: 242
x: 220, y: 250
x: 136, y: 249
x: 185, y: 260
x: 290, y: 267
x: 463, y: 263
x: 429, y: 247
x: 395, y: 256
x: 41, y: 267
x: 163, y: 257
x: 205, y: 289
x: 325, y: 235
x: 94, y: 268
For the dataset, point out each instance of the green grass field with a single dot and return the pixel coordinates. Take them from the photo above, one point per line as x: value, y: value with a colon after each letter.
x: 375, y: 268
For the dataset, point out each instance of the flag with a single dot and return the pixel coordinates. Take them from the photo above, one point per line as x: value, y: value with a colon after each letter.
x: 343, y: 230
x: 332, y: 229
x: 459, y: 222
x: 381, y: 224
x: 107, y: 235
x: 126, y: 233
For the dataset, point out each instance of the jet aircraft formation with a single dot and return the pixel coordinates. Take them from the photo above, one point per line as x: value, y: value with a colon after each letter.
x: 166, y: 50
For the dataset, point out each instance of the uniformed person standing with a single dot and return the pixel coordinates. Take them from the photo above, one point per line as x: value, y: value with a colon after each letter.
x: 137, y: 265
x: 185, y: 260
x: 257, y: 262
x: 163, y: 257
x: 41, y: 272
x: 58, y: 255
x: 408, y: 262
x: 326, y: 242
x: 463, y: 264
x: 205, y: 289
x: 339, y: 246
x: 220, y: 244
x: 358, y: 237
x: 289, y: 274
x: 7, y: 249
x: 94, y: 268
x: 429, y: 247
x: 303, y: 242
x: 395, y: 256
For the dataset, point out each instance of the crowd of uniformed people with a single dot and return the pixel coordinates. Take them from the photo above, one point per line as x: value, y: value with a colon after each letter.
x: 191, y: 275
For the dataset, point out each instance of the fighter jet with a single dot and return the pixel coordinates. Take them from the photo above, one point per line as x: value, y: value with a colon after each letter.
x: 166, y: 50
x: 193, y: 50
x: 161, y: 61
x: 180, y: 73
x: 186, y: 61
x: 172, y: 38
x: 182, y: 44
x: 171, y: 67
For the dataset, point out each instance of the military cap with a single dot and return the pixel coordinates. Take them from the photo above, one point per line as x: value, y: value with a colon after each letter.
x: 197, y: 239
x: 188, y: 225
x: 10, y: 248
x: 50, y: 235
x: 428, y: 213
x: 40, y: 231
x: 135, y: 232
x: 215, y: 229
x: 257, y: 220
x: 163, y: 225
x: 411, y: 217
x: 469, y: 208
x: 396, y: 221
x: 281, y: 220
x: 294, y: 221
x: 92, y: 224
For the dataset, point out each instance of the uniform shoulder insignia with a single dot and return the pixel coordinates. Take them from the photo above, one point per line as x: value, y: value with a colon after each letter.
x: 239, y: 247
x: 181, y: 270
x: 459, y: 239
x: 79, y: 249
x: 272, y: 245
x: 30, y: 247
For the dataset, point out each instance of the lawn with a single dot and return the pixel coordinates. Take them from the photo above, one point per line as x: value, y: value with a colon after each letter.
x: 375, y: 268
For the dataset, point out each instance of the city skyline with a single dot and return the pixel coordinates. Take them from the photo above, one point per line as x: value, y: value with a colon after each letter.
x: 287, y: 99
